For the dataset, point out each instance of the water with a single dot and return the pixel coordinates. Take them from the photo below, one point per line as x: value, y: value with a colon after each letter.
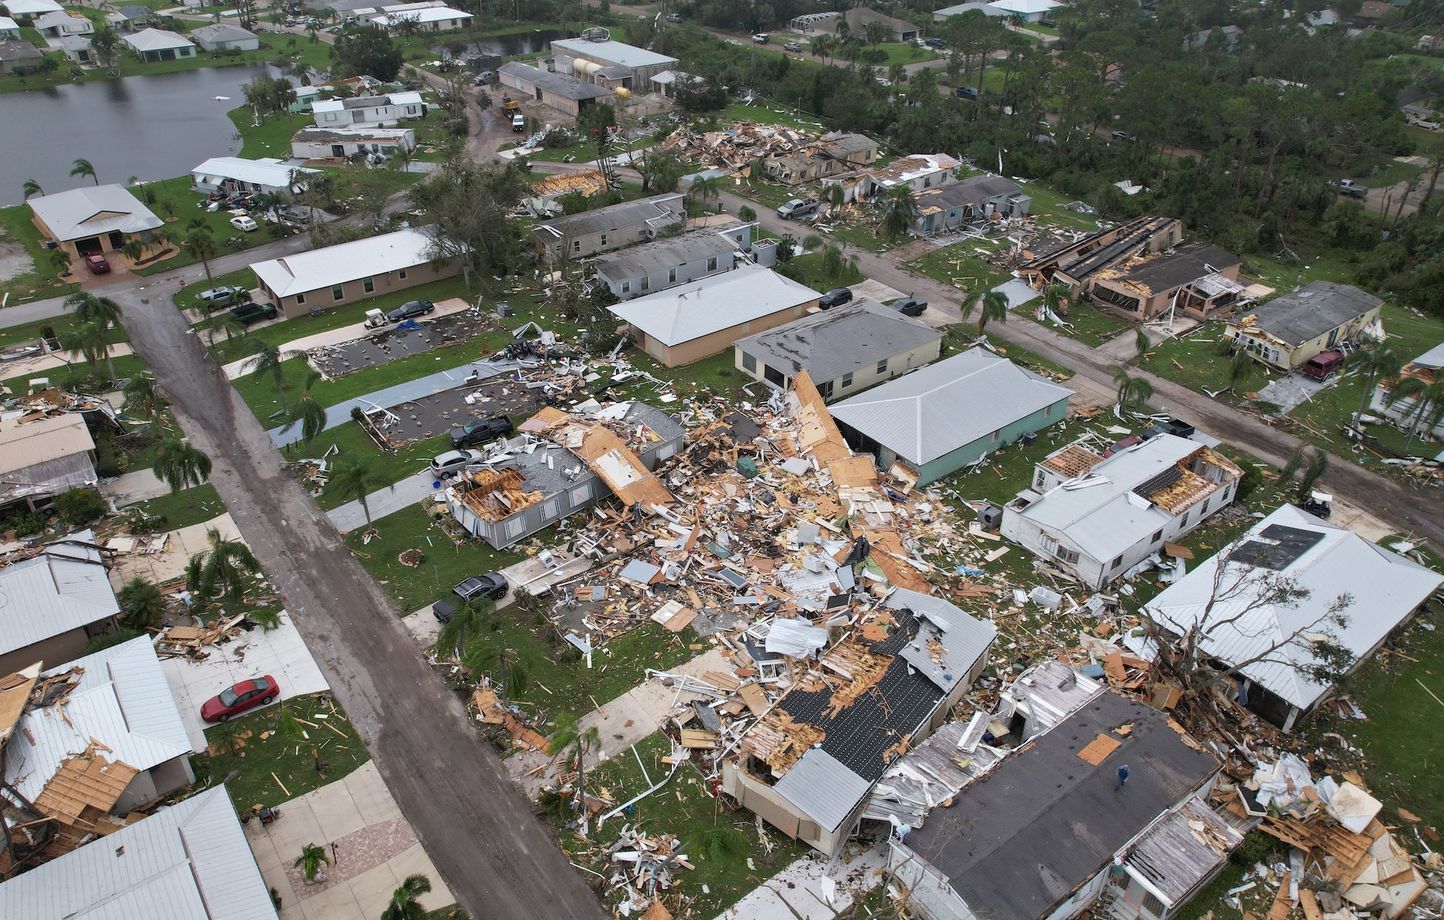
x: 152, y: 127
x: 516, y: 44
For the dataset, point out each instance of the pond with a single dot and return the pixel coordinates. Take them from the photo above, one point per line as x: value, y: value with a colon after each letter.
x: 515, y: 44
x: 151, y: 127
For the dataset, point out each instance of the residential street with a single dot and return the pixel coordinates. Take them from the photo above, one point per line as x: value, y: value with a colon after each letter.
x: 491, y: 850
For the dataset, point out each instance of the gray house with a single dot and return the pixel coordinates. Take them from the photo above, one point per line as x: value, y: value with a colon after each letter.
x: 225, y: 37
x: 530, y: 483
x: 671, y: 261
x: 844, y: 350
x: 559, y: 91
x: 579, y: 236
x: 949, y: 207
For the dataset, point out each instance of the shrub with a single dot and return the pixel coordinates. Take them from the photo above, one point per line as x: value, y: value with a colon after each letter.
x: 78, y: 507
x: 24, y: 523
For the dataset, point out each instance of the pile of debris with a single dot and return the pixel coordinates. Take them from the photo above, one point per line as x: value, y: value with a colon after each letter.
x: 643, y: 870
x: 738, y: 147
x: 192, y: 641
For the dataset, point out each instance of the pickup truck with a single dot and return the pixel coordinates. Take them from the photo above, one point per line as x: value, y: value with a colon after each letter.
x: 250, y: 313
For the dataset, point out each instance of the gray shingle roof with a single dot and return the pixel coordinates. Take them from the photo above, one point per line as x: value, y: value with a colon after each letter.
x: 665, y: 253
x: 971, y: 191
x: 935, y: 410
x: 1313, y: 310
x: 837, y: 341
x: 667, y: 208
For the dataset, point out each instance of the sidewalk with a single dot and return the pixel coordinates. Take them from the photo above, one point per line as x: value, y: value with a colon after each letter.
x: 134, y: 487
x: 382, y: 502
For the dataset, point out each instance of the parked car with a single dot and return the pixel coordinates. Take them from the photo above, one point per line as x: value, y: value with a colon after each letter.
x: 411, y: 308
x: 1121, y: 136
x: 220, y: 296
x: 762, y: 38
x: 239, y: 698
x: 910, y: 306
x: 793, y: 47
x: 480, y: 430
x: 935, y: 43
x: 1323, y: 365
x: 97, y: 264
x: 447, y: 465
x: 799, y: 209
x: 1351, y: 189
x: 249, y: 313
x: 483, y: 78
x: 244, y: 224
x: 835, y: 298
x: 1048, y: 22
x: 492, y: 585
x: 674, y: 17
x: 966, y: 92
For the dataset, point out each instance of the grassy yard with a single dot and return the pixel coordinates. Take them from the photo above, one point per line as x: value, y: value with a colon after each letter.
x: 1330, y: 265
x: 1193, y: 359
x: 179, y: 204
x: 184, y: 508
x: 354, y: 445
x: 31, y: 332
x: 1089, y: 325
x: 43, y: 279
x: 903, y: 53
x: 271, y: 138
x: 962, y: 266
x: 257, y: 757
x: 722, y: 844
x: 74, y: 375
x: 808, y: 269
x: 766, y: 112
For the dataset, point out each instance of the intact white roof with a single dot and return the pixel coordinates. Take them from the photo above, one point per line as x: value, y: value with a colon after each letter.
x: 63, y: 588
x: 327, y: 105
x: 1025, y: 7
x: 1384, y: 586
x: 613, y: 51
x: 690, y: 311
x: 7, y: 24
x: 939, y: 408
x: 407, y: 98
x: 1101, y: 519
x: 123, y: 701
x: 322, y: 268
x: 93, y: 210
x: 222, y: 32
x: 422, y: 16
x: 31, y: 7
x: 269, y: 171
x: 156, y: 40
x: 190, y: 861
x: 1434, y: 357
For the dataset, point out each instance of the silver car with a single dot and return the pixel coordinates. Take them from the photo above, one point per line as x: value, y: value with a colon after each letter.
x: 447, y: 465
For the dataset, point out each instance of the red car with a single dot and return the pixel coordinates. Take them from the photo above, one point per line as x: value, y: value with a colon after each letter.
x: 248, y: 694
x: 97, y: 264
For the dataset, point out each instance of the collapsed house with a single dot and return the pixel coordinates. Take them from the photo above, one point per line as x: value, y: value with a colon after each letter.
x: 543, y: 197
x: 1073, y: 264
x: 1246, y: 621
x: 1096, y: 516
x: 43, y: 455
x: 784, y: 154
x: 562, y: 463
x: 919, y: 172
x: 1289, y: 330
x: 1198, y: 279
x: 831, y: 155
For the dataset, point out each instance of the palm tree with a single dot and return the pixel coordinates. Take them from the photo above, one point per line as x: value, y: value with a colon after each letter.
x: 133, y: 250
x: 1132, y: 391
x: 91, y: 309
x: 227, y: 326
x: 143, y: 397
x: 83, y: 168
x: 1240, y: 370
x: 705, y: 189
x: 356, y: 482
x: 202, y: 245
x: 92, y: 340
x: 1318, y: 465
x: 311, y: 415
x: 994, y: 305
x: 311, y: 860
x: 1141, y: 342
x: 31, y: 189
x: 226, y: 566
x: 60, y: 260
x: 141, y: 604
x: 900, y: 211
x: 269, y: 359
x: 480, y: 656
x: 404, y: 903
x: 1054, y: 296
x: 571, y: 738
x: 1378, y: 364
x: 1423, y: 407
x: 181, y: 465
x: 464, y: 624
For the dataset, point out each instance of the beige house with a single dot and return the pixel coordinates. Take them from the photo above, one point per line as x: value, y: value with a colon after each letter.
x: 94, y: 220
x: 324, y: 278
x: 697, y: 320
x: 844, y: 350
x: 1289, y: 330
x: 67, y: 601
x: 1194, y: 277
x: 560, y: 91
x: 42, y: 458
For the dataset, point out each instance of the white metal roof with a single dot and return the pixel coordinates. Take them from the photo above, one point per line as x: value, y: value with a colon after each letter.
x: 823, y: 788
x: 52, y: 594
x: 422, y: 16
x: 91, y: 211
x: 1101, y: 519
x: 63, y: 18
x: 269, y: 172
x: 322, y: 268
x: 190, y: 861
x: 718, y: 302
x: 327, y: 105
x: 123, y: 701
x: 939, y: 408
x: 7, y: 24
x: 613, y: 52
x: 30, y: 7
x: 156, y: 40
x: 1025, y: 7
x: 1384, y: 586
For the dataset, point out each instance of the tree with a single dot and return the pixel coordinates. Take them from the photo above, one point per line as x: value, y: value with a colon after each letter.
x: 83, y: 168
x: 31, y: 189
x: 876, y: 32
x: 181, y: 465
x: 704, y: 189
x: 900, y: 211
x: 1240, y: 370
x: 1377, y: 364
x: 1318, y: 464
x: 89, y: 308
x: 405, y: 903
x: 365, y: 50
x: 202, y: 245
x: 356, y: 482
x: 268, y: 359
x: 80, y: 506
x: 471, y: 207
x: 224, y: 568
x: 105, y: 45
x: 991, y: 306
x: 311, y: 415
x: 1421, y: 405
x: 91, y: 340
x: 141, y: 604
x: 310, y: 861
x: 466, y: 623
x: 1132, y: 391
x: 571, y: 738
x: 227, y: 326
x: 144, y: 398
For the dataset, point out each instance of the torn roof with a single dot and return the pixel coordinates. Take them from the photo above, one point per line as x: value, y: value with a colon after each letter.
x: 1309, y: 312
x: 121, y: 700
x: 1183, y: 849
x: 605, y: 454
x: 14, y: 693
x: 63, y: 588
x: 1167, y: 271
x: 1019, y: 841
x: 1320, y: 558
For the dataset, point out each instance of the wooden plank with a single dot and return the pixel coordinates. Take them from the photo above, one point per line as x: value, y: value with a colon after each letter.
x: 755, y: 699
x: 1310, y: 905
x: 1097, y: 750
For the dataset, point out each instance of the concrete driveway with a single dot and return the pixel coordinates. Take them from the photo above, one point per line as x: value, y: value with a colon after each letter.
x: 278, y: 652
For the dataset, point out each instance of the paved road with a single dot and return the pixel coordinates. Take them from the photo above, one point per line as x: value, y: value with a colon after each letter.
x: 491, y: 850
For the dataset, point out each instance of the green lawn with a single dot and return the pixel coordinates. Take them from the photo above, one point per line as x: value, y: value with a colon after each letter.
x: 179, y: 204
x: 1194, y: 359
x: 255, y: 768
x: 723, y: 844
x: 354, y: 445
x: 1331, y: 265
x: 43, y: 279
x: 1391, y: 173
x: 808, y: 269
x: 272, y: 137
x: 73, y: 375
x: 902, y: 53
x: 962, y: 266
x: 1089, y: 325
x: 31, y: 332
x: 184, y: 508
x: 766, y: 112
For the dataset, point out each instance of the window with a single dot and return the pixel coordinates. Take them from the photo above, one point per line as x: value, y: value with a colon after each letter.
x: 882, y: 366
x: 401, y: 274
x: 626, y: 287
x: 712, y: 264
x: 515, y: 526
x: 995, y: 435
x: 337, y: 293
x: 1116, y: 563
x: 1047, y: 411
x: 581, y: 493
x: 1158, y: 537
x: 646, y: 284
x: 368, y: 285
x: 576, y: 245
x: 825, y: 390
x: 300, y: 298
x: 671, y: 276
x: 604, y: 239
x: 749, y: 363
x: 847, y: 380
x: 1069, y: 556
